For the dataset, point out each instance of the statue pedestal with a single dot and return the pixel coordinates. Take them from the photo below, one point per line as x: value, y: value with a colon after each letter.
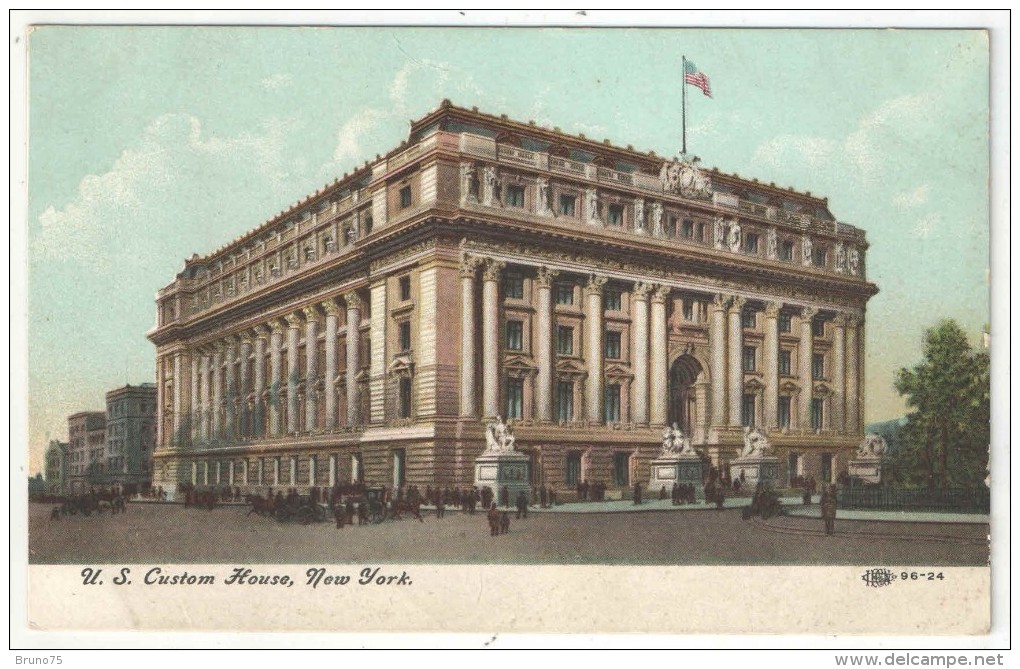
x: 866, y: 468
x: 682, y: 469
x: 763, y: 468
x: 497, y: 470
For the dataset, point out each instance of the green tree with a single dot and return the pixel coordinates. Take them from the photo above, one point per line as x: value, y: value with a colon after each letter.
x: 948, y: 429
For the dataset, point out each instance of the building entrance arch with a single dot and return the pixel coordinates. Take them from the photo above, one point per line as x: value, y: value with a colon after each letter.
x: 683, y: 374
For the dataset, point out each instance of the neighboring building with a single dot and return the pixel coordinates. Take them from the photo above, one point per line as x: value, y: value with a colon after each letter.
x: 86, y: 437
x: 56, y: 467
x: 36, y: 485
x: 130, y: 435
x: 590, y: 293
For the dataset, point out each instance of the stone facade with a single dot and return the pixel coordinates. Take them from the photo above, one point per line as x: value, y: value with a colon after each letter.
x: 56, y: 467
x: 487, y: 267
x: 130, y: 435
x: 86, y: 450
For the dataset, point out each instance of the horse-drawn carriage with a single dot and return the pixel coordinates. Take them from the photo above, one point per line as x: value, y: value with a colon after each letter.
x: 302, y: 509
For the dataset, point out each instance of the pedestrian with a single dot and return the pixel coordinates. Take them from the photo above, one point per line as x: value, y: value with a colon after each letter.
x: 493, y: 517
x: 504, y: 523
x: 662, y: 493
x: 637, y: 493
x: 543, y: 497
x: 829, y: 509
x: 552, y: 496
x: 440, y: 506
x: 504, y: 497
x: 676, y: 493
x: 522, y: 504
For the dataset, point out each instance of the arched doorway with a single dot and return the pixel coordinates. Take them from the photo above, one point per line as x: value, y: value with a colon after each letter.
x: 682, y: 399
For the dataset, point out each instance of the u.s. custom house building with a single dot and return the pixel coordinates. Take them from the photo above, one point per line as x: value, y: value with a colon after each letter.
x: 589, y: 294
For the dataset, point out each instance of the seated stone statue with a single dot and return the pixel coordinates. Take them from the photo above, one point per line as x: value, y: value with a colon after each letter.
x: 675, y: 442
x: 873, y: 445
x: 499, y: 437
x: 756, y: 443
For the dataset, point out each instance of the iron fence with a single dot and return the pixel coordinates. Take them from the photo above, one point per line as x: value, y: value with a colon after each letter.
x: 888, y: 498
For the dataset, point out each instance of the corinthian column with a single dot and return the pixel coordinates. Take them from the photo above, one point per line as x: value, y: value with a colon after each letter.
x: 205, y: 417
x: 593, y: 348
x: 657, y: 372
x: 293, y: 373
x: 804, y: 367
x: 230, y: 381
x: 639, y: 330
x: 311, y: 366
x: 329, y: 389
x: 244, y: 386
x: 490, y: 337
x: 217, y: 383
x: 838, y: 373
x: 468, y: 402
x: 736, y: 359
x: 195, y: 399
x: 771, y: 364
x: 259, y: 384
x: 717, y: 350
x: 177, y: 438
x: 354, y: 305
x: 275, y: 374
x: 854, y: 362
x: 544, y: 353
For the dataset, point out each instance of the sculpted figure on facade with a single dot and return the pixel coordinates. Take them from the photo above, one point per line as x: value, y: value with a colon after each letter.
x: 841, y: 259
x: 490, y: 186
x: 591, y: 199
x: 756, y: 443
x: 657, y: 228
x: 733, y: 240
x: 639, y: 215
x: 499, y: 437
x: 543, y: 197
x: 854, y: 261
x: 872, y: 446
x: 772, y: 244
x: 806, y: 250
x: 468, y: 183
x: 675, y: 442
x: 719, y: 233
x: 682, y: 176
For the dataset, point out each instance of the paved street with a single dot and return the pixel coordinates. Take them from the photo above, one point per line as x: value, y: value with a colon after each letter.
x: 151, y: 533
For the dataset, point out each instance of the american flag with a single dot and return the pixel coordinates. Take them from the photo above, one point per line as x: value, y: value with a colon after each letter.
x: 694, y: 77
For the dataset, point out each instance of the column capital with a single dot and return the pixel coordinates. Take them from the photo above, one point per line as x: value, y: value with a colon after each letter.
x: 772, y: 309
x: 293, y: 320
x: 331, y: 308
x: 246, y: 338
x: 595, y: 284
x: 720, y: 301
x: 353, y: 300
x: 544, y: 277
x: 311, y: 314
x: 492, y: 269
x: 276, y: 326
x: 641, y: 290
x: 659, y: 294
x: 469, y: 266
x: 853, y: 320
x: 737, y: 303
x: 263, y: 331
x: 840, y: 320
x: 808, y: 313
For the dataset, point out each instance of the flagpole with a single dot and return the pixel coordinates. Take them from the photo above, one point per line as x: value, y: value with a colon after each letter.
x: 683, y: 112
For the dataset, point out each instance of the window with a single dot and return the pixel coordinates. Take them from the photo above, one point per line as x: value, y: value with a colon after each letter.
x: 827, y: 467
x: 817, y: 366
x: 513, y: 286
x: 786, y: 251
x: 747, y: 410
x: 405, y: 197
x: 817, y: 407
x: 404, y: 332
x: 564, y: 401
x: 784, y: 363
x: 818, y: 328
x: 700, y: 236
x: 399, y: 467
x: 564, y: 340
x: 515, y: 196
x: 515, y: 398
x: 405, y: 288
x: 818, y: 257
x: 688, y: 228
x: 751, y: 243
x: 612, y: 344
x: 615, y: 216
x: 368, y: 225
x: 688, y: 310
x: 621, y: 469
x: 611, y: 410
x: 573, y: 472
x: 783, y: 417
x: 515, y: 335
x: 748, y: 318
x: 612, y: 300
x: 749, y: 358
x: 785, y: 322
x: 405, y: 397
x: 564, y: 293
x: 568, y: 204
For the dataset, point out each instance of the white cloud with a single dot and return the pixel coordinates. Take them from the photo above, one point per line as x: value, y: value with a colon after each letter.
x: 914, y: 198
x: 925, y: 225
x: 278, y: 80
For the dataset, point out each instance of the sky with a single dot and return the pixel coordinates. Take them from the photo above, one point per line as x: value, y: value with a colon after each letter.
x: 149, y: 144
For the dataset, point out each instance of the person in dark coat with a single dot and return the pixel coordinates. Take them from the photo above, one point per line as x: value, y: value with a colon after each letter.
x: 504, y: 496
x: 637, y: 493
x: 543, y: 497
x: 552, y: 496
x: 493, y: 518
x: 676, y: 493
x: 829, y: 509
x: 522, y: 504
x: 440, y: 506
x: 662, y: 493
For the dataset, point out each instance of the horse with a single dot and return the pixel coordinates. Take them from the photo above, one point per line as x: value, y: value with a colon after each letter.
x: 407, y: 506
x: 259, y: 505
